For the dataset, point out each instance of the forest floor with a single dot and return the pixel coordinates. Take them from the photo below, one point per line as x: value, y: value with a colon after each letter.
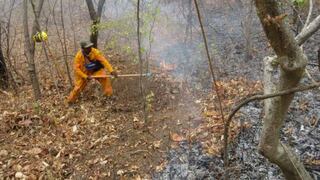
x: 99, y: 137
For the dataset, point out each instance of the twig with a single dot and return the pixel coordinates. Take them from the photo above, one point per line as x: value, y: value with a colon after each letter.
x: 251, y: 98
x: 290, y: 158
x: 49, y: 65
x: 139, y: 151
x: 309, y: 14
x: 5, y: 92
x: 314, y: 126
x: 209, y: 60
x: 309, y: 76
x: 313, y: 64
x: 305, y: 25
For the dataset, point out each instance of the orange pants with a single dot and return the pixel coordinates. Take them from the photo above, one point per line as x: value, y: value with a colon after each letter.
x: 81, y: 83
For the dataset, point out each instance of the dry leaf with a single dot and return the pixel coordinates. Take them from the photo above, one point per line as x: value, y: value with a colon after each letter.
x: 156, y: 144
x: 120, y: 172
x: 34, y: 151
x: 213, y: 150
x: 161, y: 166
x: 135, y: 119
x: 316, y: 162
x: 137, y: 177
x: 214, y: 114
x: 74, y: 128
x: 4, y: 152
x: 177, y: 138
x: 25, y: 122
x: 134, y: 168
x: 19, y: 175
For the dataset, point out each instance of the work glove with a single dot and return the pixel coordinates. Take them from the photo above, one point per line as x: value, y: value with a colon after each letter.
x: 89, y: 78
x: 114, y: 73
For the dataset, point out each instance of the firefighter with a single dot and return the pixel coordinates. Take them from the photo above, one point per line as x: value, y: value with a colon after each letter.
x: 90, y: 62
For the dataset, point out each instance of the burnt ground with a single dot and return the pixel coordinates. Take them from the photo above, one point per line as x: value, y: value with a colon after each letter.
x: 226, y: 32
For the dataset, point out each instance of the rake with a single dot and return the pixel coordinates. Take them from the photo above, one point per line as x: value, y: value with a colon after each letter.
x: 123, y: 75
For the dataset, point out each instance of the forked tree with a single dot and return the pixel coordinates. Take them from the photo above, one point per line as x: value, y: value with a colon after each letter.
x: 290, y: 61
x: 95, y: 16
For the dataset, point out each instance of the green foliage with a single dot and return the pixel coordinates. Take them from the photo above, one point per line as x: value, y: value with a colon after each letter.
x: 275, y: 62
x: 149, y: 100
x: 120, y: 32
x: 122, y: 35
x: 299, y: 2
x: 37, y: 108
x: 94, y: 28
x: 148, y: 18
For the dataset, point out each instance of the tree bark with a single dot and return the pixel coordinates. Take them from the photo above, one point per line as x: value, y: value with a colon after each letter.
x: 30, y: 47
x: 292, y: 63
x: 319, y: 59
x: 95, y: 17
x: 4, y: 81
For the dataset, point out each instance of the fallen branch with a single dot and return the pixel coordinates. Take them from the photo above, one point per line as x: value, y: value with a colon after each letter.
x: 313, y: 64
x: 251, y: 98
x: 139, y: 151
x: 5, y: 92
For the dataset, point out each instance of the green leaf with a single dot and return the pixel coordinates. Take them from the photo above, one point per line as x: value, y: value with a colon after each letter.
x: 299, y: 2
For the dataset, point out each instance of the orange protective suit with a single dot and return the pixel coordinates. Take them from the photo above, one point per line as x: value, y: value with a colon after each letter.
x: 81, y: 74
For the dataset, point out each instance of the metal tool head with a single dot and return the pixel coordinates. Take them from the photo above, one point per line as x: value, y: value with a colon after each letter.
x: 149, y: 74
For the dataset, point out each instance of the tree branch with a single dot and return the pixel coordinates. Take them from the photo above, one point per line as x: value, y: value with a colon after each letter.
x: 279, y: 35
x: 307, y: 32
x: 309, y: 14
x: 100, y: 7
x: 92, y: 12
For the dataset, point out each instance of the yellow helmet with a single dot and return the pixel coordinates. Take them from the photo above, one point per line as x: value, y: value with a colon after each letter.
x: 40, y: 36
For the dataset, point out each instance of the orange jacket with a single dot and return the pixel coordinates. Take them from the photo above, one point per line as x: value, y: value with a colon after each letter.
x: 95, y: 54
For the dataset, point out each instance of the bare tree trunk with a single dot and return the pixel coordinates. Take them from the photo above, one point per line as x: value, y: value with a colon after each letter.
x: 247, y: 28
x: 95, y: 17
x: 297, y: 22
x: 30, y: 46
x: 10, y: 43
x: 72, y: 26
x: 65, y: 51
x: 61, y: 42
x: 4, y: 82
x: 188, y: 31
x: 8, y: 51
x: 318, y: 58
x: 9, y: 48
x: 292, y: 64
x: 141, y: 82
